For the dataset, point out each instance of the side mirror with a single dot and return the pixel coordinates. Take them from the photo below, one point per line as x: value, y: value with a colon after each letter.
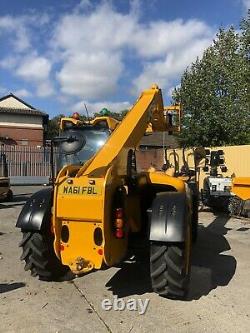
x: 70, y: 144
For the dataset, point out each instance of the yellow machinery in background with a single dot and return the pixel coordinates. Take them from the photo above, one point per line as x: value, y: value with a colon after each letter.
x: 239, y: 204
x: 100, y: 204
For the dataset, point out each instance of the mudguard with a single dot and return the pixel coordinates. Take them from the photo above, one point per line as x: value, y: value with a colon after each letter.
x: 168, y: 217
x: 36, y: 211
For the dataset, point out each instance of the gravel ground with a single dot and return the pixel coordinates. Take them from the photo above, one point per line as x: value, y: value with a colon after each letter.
x: 219, y: 298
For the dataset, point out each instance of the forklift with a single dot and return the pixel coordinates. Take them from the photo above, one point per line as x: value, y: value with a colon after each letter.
x: 99, y: 202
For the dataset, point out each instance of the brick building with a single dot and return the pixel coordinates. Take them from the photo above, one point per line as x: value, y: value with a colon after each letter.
x: 21, y: 123
x: 153, y: 148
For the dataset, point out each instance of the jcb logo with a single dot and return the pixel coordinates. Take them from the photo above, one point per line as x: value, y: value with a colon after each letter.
x: 84, y: 190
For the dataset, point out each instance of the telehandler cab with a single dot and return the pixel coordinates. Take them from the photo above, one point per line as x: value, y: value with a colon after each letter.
x: 99, y: 200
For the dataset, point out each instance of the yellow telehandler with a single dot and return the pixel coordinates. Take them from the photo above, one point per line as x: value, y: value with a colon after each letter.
x: 99, y: 202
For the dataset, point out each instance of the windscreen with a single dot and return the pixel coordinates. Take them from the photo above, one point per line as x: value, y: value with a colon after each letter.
x: 95, y: 139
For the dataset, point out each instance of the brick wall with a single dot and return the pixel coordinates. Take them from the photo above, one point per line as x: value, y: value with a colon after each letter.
x: 21, y: 136
x: 150, y: 157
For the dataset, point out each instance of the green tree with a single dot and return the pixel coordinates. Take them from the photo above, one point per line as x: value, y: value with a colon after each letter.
x: 53, y: 127
x: 214, y: 92
x: 116, y: 115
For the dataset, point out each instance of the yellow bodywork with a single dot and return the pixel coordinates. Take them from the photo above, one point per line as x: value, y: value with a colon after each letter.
x: 84, y: 195
x: 241, y: 187
x: 111, y: 123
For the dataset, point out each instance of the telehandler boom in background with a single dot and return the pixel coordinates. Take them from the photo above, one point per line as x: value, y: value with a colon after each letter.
x: 99, y: 200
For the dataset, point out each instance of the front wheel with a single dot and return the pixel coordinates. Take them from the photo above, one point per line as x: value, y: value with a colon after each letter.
x: 39, y: 256
x: 170, y: 267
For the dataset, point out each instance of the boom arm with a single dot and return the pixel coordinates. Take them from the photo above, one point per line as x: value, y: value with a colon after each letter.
x: 148, y: 108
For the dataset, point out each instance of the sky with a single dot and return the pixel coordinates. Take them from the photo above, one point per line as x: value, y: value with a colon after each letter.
x: 59, y: 54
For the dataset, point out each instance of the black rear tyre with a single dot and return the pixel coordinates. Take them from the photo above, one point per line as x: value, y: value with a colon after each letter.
x: 170, y: 268
x: 39, y: 256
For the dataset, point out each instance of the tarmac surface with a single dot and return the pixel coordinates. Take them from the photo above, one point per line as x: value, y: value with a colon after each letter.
x: 219, y: 298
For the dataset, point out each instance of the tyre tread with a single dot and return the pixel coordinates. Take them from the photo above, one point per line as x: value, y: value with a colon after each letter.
x: 39, y: 256
x: 167, y: 264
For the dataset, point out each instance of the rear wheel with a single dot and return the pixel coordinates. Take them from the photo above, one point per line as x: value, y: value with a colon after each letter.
x: 170, y: 267
x: 39, y: 256
x: 235, y: 206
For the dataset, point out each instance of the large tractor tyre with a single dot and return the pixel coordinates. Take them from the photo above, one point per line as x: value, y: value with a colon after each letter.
x: 235, y: 205
x: 170, y: 268
x: 39, y: 256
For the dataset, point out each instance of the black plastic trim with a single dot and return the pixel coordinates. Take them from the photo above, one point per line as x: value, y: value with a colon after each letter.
x: 37, y: 210
x: 168, y: 218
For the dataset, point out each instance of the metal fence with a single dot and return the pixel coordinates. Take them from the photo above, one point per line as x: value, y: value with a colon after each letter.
x: 27, y: 164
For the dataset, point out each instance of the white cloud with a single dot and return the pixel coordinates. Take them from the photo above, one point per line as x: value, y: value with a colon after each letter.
x: 96, y: 107
x: 23, y: 60
x: 90, y: 75
x: 34, y: 68
x: 22, y: 93
x: 45, y: 89
x: 20, y: 29
x: 169, y: 68
x: 103, y: 29
x: 246, y: 4
x: 92, y: 47
x: 87, y: 49
x: 9, y: 62
x: 16, y: 25
x: 161, y: 37
x: 84, y: 4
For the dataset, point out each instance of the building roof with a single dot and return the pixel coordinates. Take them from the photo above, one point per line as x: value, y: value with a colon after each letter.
x: 12, y: 104
x: 159, y: 140
x: 32, y: 112
x: 18, y: 99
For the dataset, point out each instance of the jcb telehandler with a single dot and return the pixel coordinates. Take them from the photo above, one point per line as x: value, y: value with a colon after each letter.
x: 86, y: 220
